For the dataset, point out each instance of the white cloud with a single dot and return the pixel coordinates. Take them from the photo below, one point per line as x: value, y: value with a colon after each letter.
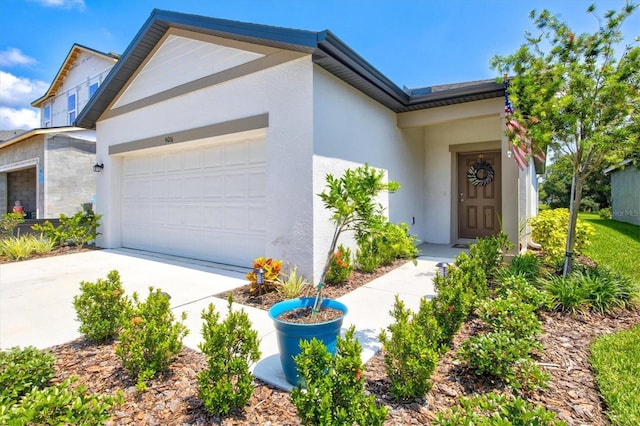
x: 22, y: 118
x: 13, y: 56
x: 62, y: 4
x: 19, y: 92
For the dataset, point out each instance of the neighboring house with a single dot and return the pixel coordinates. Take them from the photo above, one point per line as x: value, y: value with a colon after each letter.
x: 625, y: 192
x: 50, y: 169
x: 217, y: 135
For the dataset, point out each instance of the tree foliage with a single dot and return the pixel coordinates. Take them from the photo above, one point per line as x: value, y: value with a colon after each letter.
x: 578, y: 94
x: 556, y: 188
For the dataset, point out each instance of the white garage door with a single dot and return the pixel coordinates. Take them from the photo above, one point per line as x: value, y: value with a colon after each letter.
x: 203, y: 202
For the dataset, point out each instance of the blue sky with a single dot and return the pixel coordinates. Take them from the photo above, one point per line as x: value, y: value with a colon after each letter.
x: 415, y: 43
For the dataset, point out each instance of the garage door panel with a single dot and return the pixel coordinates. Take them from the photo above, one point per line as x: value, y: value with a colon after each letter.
x: 236, y: 153
x: 206, y: 203
x: 213, y: 156
x: 236, y: 185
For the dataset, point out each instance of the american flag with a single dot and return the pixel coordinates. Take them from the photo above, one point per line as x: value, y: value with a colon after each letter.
x: 522, y: 148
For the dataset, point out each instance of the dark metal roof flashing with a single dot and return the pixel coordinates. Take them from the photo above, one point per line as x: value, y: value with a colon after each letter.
x: 328, y: 52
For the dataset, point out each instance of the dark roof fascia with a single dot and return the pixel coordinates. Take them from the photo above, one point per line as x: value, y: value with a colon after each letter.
x: 485, y: 90
x: 328, y: 52
x: 337, y: 52
x: 154, y: 29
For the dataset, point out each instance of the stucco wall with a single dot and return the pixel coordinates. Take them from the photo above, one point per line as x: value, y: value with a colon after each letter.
x: 69, y: 177
x: 441, y: 143
x: 625, y: 195
x: 284, y: 92
x: 351, y: 129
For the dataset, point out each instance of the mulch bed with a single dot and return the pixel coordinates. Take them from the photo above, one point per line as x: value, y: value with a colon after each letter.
x: 172, y: 398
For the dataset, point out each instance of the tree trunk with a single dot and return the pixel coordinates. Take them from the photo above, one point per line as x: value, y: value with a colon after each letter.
x: 574, y: 207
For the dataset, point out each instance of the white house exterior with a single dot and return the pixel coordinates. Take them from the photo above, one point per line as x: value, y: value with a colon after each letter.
x: 216, y: 137
x: 82, y: 72
x: 50, y: 169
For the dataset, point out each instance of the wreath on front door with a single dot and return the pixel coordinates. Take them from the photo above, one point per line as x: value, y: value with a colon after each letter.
x: 480, y: 173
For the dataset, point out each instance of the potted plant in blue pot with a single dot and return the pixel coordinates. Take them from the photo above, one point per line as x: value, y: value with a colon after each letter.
x: 351, y: 199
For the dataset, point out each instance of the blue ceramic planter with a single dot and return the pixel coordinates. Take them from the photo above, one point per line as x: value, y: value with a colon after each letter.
x: 290, y: 334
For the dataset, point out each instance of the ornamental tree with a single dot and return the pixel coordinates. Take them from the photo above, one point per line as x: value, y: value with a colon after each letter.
x: 578, y: 94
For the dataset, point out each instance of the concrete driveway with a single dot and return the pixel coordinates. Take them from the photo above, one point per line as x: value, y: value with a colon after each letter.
x: 36, y: 296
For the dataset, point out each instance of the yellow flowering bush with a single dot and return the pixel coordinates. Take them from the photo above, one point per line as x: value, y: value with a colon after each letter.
x: 549, y: 228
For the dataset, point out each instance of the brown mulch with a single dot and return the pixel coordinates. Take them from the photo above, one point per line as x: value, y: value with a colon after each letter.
x: 172, y: 398
x: 330, y: 291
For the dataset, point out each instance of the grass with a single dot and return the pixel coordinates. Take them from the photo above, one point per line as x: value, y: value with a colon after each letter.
x: 616, y: 361
x: 615, y: 244
x: 616, y: 358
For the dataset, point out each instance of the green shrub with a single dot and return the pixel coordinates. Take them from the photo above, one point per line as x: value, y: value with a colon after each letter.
x: 150, y: 338
x: 78, y: 230
x: 592, y: 288
x: 231, y: 346
x: 22, y: 370
x: 426, y: 319
x: 410, y: 356
x: 503, y: 356
x: 566, y: 294
x: 61, y: 404
x: 490, y: 251
x: 605, y: 213
x: 550, y: 227
x: 334, y: 392
x: 606, y: 290
x: 367, y: 259
x: 527, y: 264
x: 518, y: 287
x: 340, y: 266
x: 100, y: 307
x: 452, y: 303
x: 493, y: 409
x: 8, y: 222
x: 471, y: 272
x: 398, y: 242
x: 293, y: 285
x: 384, y: 244
x: 509, y: 314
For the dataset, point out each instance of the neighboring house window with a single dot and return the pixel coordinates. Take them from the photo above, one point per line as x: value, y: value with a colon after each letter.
x: 92, y: 89
x: 71, y: 108
x: 47, y: 116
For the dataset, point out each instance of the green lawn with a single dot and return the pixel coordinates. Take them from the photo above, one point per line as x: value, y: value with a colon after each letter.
x: 615, y: 244
x: 616, y: 361
x: 616, y: 358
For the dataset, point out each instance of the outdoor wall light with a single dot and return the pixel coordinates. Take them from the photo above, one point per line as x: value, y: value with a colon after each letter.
x: 98, y: 167
x: 442, y: 268
x: 259, y: 279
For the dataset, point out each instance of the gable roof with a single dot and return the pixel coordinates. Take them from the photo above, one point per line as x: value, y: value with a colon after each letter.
x: 73, y: 54
x: 327, y: 50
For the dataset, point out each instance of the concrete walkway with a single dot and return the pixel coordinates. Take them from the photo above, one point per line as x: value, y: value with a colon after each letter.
x: 36, y: 297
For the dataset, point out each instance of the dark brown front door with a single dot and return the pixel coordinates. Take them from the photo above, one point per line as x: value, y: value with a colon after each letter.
x: 478, y: 194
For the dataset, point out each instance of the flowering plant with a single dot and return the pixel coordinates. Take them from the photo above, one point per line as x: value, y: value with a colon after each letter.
x: 340, y: 266
x: 271, y: 270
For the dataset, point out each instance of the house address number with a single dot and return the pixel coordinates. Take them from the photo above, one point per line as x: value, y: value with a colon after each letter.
x: 168, y: 139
